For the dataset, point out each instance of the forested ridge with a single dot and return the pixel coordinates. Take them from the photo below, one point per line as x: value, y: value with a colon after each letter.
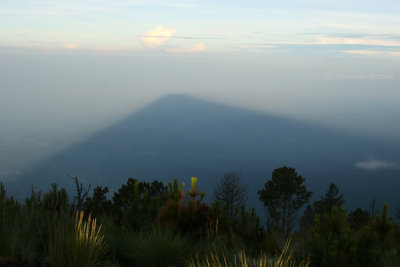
x: 156, y: 224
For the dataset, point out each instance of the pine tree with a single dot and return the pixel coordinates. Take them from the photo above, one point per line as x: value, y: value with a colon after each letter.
x: 283, y: 196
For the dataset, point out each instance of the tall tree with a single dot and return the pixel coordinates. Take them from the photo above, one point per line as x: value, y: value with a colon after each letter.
x: 283, y: 196
x: 332, y: 198
x: 230, y: 192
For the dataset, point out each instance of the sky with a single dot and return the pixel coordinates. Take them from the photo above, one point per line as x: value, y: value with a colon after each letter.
x: 70, y: 68
x: 190, y: 26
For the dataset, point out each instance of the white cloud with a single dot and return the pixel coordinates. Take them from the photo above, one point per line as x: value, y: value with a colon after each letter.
x: 158, y: 36
x: 374, y: 164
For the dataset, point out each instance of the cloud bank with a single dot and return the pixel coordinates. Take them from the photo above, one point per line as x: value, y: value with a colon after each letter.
x: 374, y: 164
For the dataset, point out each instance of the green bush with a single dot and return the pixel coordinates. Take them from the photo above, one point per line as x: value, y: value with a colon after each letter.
x: 330, y: 242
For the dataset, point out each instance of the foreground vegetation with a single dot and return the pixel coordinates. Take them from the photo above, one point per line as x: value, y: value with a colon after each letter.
x: 152, y: 224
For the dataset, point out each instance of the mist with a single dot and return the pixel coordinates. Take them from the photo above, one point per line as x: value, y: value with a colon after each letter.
x: 51, y: 100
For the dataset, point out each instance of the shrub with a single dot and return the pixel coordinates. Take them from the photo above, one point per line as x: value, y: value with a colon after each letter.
x: 330, y: 242
x: 17, y: 245
x: 79, y: 245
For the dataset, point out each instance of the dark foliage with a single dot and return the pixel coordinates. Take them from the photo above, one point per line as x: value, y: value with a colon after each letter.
x: 359, y: 218
x: 149, y: 224
x: 332, y: 198
x: 230, y: 192
x: 283, y: 196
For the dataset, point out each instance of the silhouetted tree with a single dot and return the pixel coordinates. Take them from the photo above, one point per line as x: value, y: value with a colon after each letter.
x: 126, y: 194
x: 230, y: 192
x: 98, y: 203
x: 137, y: 204
x: 332, y: 198
x: 283, y: 196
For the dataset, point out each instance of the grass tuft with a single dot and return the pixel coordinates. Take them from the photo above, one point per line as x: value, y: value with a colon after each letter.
x: 79, y: 245
x: 218, y: 259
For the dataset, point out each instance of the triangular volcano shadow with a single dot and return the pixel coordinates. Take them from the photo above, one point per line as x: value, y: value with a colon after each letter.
x: 181, y: 136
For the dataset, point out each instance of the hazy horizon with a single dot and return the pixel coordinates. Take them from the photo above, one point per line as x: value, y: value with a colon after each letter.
x: 71, y: 68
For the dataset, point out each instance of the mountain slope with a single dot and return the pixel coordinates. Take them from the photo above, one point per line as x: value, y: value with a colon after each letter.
x: 180, y: 136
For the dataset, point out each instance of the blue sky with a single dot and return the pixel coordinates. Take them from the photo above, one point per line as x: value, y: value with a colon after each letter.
x: 351, y: 27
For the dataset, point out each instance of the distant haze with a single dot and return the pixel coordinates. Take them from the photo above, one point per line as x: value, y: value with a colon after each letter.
x: 179, y: 136
x: 52, y: 100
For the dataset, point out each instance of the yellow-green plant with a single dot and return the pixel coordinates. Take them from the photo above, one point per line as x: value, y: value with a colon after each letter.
x: 285, y: 259
x: 82, y: 245
x: 88, y: 237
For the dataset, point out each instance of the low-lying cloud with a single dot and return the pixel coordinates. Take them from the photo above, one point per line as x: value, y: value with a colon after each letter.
x: 158, y: 35
x: 375, y: 164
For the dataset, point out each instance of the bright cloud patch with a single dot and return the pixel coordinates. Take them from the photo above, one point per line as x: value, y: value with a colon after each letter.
x: 158, y: 35
x: 200, y: 47
x: 69, y: 46
x: 356, y: 41
x: 373, y: 52
x: 374, y: 164
x: 363, y: 52
x: 197, y: 48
